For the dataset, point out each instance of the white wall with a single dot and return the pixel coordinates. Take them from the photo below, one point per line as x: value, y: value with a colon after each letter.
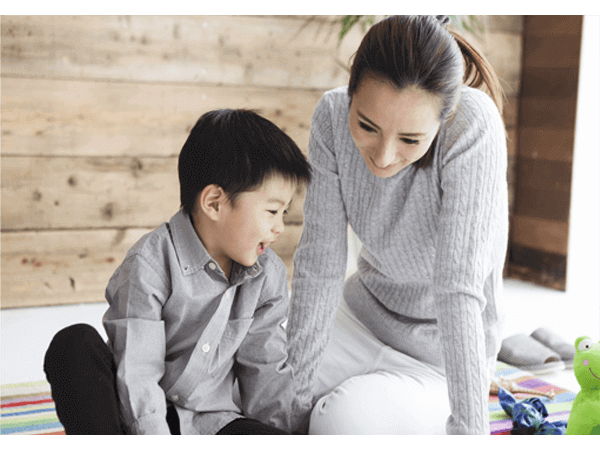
x: 583, y: 265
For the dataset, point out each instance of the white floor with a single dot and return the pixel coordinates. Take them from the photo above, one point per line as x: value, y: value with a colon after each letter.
x: 27, y: 332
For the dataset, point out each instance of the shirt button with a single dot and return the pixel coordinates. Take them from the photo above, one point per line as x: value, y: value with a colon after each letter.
x: 174, y: 397
x: 206, y: 348
x: 212, y: 266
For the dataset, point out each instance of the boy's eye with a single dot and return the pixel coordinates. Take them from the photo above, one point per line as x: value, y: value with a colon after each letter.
x: 274, y: 212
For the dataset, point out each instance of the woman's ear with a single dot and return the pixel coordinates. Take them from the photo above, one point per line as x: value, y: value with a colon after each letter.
x: 210, y: 201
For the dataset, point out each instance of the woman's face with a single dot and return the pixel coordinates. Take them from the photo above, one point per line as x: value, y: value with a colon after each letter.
x: 392, y: 128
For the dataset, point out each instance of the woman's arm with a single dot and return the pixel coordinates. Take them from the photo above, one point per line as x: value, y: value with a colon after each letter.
x: 472, y: 236
x: 320, y: 259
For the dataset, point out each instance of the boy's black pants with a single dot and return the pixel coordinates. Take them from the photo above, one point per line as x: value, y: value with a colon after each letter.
x: 81, y: 371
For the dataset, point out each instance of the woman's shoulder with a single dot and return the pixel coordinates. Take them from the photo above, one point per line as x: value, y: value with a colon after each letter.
x: 335, y: 101
x: 476, y: 118
x: 337, y: 94
x: 476, y: 105
x: 475, y: 113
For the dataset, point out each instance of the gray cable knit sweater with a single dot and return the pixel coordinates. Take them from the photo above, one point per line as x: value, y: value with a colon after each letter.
x: 434, y: 243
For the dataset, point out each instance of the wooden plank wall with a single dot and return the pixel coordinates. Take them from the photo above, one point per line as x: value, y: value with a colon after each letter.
x: 540, y: 228
x: 95, y: 110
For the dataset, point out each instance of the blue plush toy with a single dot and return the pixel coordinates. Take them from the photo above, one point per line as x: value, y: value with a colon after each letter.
x: 529, y: 416
x: 585, y: 414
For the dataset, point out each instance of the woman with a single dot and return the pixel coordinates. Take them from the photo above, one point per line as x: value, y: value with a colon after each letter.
x: 415, y: 161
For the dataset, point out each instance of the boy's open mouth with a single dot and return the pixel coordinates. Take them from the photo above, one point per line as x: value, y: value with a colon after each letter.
x: 263, y: 246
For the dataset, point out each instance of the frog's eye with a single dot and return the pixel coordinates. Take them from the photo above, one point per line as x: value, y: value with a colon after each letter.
x: 584, y: 345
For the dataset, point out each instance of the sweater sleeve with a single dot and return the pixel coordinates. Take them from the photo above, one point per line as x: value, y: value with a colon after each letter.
x: 319, y: 261
x: 473, y: 212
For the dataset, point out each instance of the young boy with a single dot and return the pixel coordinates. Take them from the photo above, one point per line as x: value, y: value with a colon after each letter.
x: 198, y: 303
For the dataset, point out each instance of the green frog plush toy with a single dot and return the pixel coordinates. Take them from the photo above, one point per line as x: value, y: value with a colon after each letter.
x: 585, y: 415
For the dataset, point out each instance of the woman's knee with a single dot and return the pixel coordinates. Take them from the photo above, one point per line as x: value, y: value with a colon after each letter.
x: 348, y: 409
x: 380, y: 403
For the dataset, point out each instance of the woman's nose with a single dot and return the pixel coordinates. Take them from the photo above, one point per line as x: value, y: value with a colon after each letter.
x: 384, y: 155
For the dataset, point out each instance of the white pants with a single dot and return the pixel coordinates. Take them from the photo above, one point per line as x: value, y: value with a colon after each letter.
x: 367, y: 387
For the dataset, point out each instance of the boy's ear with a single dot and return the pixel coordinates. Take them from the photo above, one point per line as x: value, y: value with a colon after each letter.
x: 211, y: 200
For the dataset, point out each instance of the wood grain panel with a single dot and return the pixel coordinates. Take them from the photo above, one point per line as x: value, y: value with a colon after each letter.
x: 545, y: 112
x: 547, y: 235
x: 61, y: 192
x: 85, y: 118
x: 233, y: 50
x: 546, y: 269
x: 540, y: 223
x: 553, y: 25
x: 58, y: 192
x: 59, y: 267
x: 62, y: 267
x: 95, y: 110
x: 550, y: 82
x: 546, y: 143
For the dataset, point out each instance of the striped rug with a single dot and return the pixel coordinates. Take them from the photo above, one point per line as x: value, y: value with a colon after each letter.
x: 27, y: 408
x: 558, y: 408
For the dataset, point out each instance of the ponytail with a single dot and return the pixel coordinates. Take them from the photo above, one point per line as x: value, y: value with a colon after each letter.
x: 479, y: 72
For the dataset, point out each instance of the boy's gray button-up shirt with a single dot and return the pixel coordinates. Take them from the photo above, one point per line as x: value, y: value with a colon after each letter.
x: 181, y: 333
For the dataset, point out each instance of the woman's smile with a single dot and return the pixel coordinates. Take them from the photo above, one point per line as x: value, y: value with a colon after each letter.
x: 392, y: 128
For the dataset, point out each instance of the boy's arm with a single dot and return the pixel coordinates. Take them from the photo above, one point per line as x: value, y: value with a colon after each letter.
x: 265, y: 379
x: 136, y: 332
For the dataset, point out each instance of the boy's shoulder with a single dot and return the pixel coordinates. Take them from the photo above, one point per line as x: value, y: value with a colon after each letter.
x: 151, y: 243
x: 274, y: 271
x: 177, y: 234
x: 271, y: 263
x: 157, y: 248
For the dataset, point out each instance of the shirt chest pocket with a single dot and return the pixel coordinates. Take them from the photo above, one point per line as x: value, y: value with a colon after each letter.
x: 233, y: 335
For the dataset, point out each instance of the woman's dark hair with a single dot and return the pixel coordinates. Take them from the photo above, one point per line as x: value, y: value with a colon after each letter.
x: 236, y: 149
x: 418, y: 51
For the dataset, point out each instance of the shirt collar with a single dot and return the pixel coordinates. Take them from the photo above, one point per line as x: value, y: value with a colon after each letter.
x: 193, y: 256
x: 191, y: 253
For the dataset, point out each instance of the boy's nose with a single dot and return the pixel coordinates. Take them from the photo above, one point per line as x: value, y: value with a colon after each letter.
x: 279, y: 227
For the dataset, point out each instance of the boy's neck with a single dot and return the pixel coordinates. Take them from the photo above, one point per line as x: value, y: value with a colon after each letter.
x: 224, y: 263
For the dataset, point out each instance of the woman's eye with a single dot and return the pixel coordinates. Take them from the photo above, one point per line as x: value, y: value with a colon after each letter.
x: 366, y: 127
x: 273, y: 212
x: 370, y: 129
x: 409, y: 141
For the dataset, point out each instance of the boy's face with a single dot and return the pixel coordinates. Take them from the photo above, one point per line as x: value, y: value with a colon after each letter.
x: 253, y: 224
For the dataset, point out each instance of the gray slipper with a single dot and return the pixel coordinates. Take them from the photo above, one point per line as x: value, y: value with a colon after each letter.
x: 554, y: 342
x: 527, y: 353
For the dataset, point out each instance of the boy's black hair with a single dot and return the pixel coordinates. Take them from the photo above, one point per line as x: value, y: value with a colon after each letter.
x: 236, y: 149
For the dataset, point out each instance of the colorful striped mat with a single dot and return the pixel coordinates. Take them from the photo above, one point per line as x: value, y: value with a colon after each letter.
x: 27, y: 408
x: 558, y: 408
